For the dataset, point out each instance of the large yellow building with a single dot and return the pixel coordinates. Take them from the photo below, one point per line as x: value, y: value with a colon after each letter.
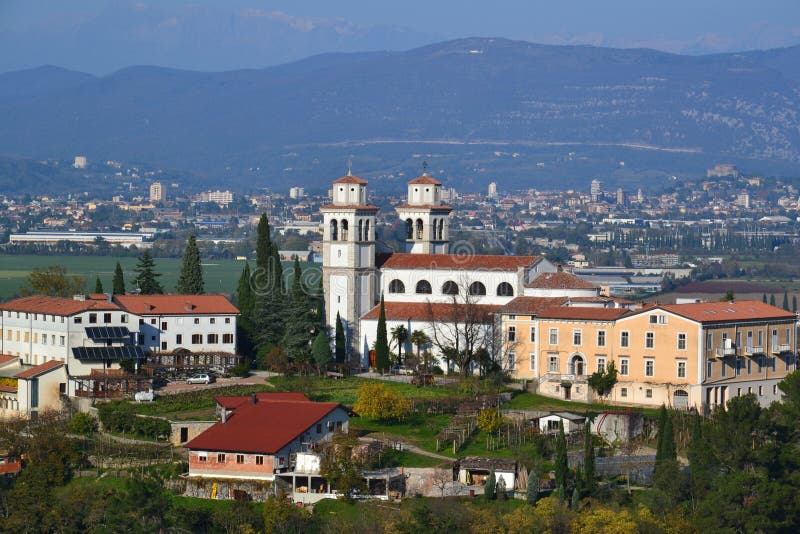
x: 680, y: 355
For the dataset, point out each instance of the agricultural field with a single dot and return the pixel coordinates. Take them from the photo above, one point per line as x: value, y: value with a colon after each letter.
x: 221, y: 276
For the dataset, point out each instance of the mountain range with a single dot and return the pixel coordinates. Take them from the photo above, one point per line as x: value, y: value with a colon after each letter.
x: 479, y: 109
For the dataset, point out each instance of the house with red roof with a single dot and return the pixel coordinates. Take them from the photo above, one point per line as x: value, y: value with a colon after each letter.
x: 26, y: 390
x: 259, y: 436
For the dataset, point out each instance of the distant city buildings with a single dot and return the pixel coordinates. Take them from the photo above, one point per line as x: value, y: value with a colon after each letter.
x: 492, y: 190
x: 80, y: 162
x: 595, y: 192
x: 297, y: 192
x: 223, y: 198
x: 156, y: 192
x: 723, y: 170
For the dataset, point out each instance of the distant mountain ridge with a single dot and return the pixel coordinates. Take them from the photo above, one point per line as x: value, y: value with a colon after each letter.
x: 478, y: 108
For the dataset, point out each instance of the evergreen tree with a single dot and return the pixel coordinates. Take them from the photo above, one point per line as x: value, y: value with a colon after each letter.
x: 669, y: 450
x: 588, y: 459
x: 532, y: 491
x: 299, y: 322
x: 382, y: 341
x: 190, y: 281
x: 576, y: 499
x: 561, y: 467
x: 321, y: 351
x: 263, y: 243
x: 146, y: 277
x: 269, y: 308
x: 98, y: 285
x: 245, y: 300
x: 794, y: 303
x: 772, y: 299
x: 119, y: 281
x: 489, y: 490
x: 785, y: 301
x: 700, y: 459
x: 340, y: 342
x: 667, y: 476
x: 662, y: 422
x: 764, y: 298
x: 320, y: 321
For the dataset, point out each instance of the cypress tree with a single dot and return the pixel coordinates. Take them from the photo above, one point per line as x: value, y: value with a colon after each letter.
x: 576, y: 499
x: 299, y: 323
x: 263, y: 243
x: 146, y: 277
x: 98, y: 285
x: 340, y: 342
x: 794, y: 303
x: 588, y: 459
x: 190, y: 281
x: 244, y: 294
x: 662, y: 422
x: 119, y: 281
x: 669, y: 450
x: 321, y: 351
x: 532, y: 491
x: 764, y: 298
x: 772, y: 299
x: 489, y: 490
x: 561, y: 467
x: 785, y: 301
x: 269, y: 308
x: 382, y: 341
x: 320, y: 322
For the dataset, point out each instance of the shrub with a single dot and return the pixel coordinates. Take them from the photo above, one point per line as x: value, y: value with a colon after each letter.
x: 83, y: 423
x: 241, y: 370
x: 116, y: 416
x: 489, y: 420
x: 376, y: 401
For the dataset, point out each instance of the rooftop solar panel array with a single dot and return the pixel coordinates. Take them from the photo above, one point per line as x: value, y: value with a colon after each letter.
x: 108, y: 353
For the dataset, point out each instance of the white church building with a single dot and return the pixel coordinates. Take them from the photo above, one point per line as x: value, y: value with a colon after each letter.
x: 425, y: 285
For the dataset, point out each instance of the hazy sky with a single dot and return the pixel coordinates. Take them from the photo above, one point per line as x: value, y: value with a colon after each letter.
x: 62, y: 31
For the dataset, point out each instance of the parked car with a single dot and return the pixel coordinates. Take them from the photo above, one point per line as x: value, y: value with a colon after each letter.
x: 202, y: 378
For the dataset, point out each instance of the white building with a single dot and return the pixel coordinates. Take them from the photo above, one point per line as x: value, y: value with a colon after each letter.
x: 491, y: 191
x: 297, y: 192
x: 156, y: 192
x: 80, y: 162
x: 223, y: 198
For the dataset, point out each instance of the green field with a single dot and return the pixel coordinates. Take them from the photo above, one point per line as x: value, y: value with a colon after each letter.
x: 221, y: 276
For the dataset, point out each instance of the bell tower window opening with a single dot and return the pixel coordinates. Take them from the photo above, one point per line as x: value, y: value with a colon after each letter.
x: 334, y: 230
x: 344, y: 229
x: 419, y: 229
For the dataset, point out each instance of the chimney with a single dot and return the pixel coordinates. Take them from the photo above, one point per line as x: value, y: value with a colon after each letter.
x: 224, y: 415
x: 109, y: 297
x: 254, y: 398
x: 79, y: 297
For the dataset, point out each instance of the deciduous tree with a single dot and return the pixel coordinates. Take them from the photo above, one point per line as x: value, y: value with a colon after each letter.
x: 53, y: 281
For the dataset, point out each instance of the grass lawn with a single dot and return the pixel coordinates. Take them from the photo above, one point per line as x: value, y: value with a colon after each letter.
x: 345, y: 390
x: 412, y: 459
x: 197, y: 404
x: 418, y: 430
x: 195, y: 504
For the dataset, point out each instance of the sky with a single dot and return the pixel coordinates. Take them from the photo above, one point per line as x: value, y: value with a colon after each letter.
x: 213, y: 35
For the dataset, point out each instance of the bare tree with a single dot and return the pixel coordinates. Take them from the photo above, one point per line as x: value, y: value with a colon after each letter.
x: 442, y: 480
x: 461, y: 326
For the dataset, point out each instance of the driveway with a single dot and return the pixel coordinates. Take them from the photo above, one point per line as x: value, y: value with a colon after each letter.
x: 255, y: 378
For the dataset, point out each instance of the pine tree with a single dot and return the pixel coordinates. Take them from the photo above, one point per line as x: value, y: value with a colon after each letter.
x: 98, y: 285
x: 321, y: 351
x: 489, y: 489
x: 561, y: 467
x: 190, y: 281
x: 588, y: 460
x: 532, y: 491
x: 382, y: 341
x: 299, y: 324
x: 785, y: 301
x: 119, y: 281
x: 146, y: 277
x: 340, y: 342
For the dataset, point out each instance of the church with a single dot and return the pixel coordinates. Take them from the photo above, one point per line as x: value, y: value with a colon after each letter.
x: 426, y: 287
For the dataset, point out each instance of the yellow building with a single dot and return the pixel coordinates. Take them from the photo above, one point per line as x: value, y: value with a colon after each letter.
x: 680, y: 355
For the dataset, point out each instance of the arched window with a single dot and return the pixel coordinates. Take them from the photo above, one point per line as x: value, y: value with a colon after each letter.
x: 409, y: 229
x: 360, y: 230
x: 344, y: 229
x: 441, y: 229
x: 505, y: 290
x: 424, y: 287
x: 334, y: 230
x: 577, y: 365
x: 397, y: 286
x: 477, y: 288
x: 366, y: 231
x: 419, y: 228
x: 450, y: 288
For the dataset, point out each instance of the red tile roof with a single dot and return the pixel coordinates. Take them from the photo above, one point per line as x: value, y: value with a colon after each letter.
x: 263, y: 427
x: 176, y: 304
x: 350, y: 179
x: 714, y: 312
x: 531, y: 305
x: 424, y: 180
x: 6, y: 358
x: 40, y: 369
x: 232, y: 402
x: 56, y: 305
x: 583, y: 313
x: 459, y: 262
x: 559, y: 280
x: 425, y: 311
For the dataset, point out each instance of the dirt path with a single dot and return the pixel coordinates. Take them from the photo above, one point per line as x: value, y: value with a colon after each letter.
x: 410, y: 448
x: 257, y: 378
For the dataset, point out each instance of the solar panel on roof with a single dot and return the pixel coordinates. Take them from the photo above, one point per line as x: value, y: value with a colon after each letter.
x: 108, y: 353
x: 107, y: 332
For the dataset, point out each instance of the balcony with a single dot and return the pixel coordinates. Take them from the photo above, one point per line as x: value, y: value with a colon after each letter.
x: 725, y: 352
x: 780, y: 349
x: 754, y: 351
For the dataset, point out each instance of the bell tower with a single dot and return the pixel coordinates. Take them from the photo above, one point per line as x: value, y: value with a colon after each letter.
x: 348, y: 254
x: 426, y: 219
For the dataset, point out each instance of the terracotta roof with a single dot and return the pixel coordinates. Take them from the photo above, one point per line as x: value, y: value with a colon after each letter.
x: 350, y: 179
x: 176, y: 304
x: 41, y: 369
x: 263, y: 427
x: 363, y: 207
x: 714, y: 312
x: 583, y: 313
x: 459, y: 262
x: 442, y: 207
x: 424, y: 311
x: 232, y: 402
x: 559, y: 280
x: 8, y: 389
x: 531, y: 305
x: 6, y: 358
x: 56, y: 305
x: 425, y: 180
